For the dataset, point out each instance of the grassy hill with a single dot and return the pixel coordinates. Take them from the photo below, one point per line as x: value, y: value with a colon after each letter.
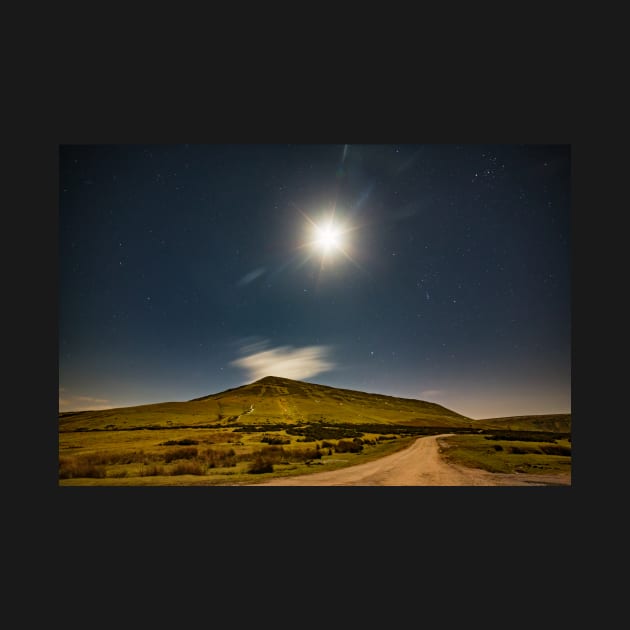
x: 278, y: 426
x: 270, y: 400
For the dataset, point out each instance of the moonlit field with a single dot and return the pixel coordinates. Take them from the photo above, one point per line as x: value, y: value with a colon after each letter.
x: 437, y: 274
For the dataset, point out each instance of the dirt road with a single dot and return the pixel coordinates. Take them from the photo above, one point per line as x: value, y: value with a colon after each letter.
x: 418, y: 465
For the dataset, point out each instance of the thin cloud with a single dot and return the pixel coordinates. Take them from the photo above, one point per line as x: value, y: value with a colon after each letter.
x: 251, y: 276
x: 254, y: 347
x: 83, y: 403
x: 287, y: 362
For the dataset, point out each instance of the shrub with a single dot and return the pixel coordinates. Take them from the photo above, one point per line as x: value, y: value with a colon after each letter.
x: 304, y: 454
x: 248, y: 428
x: 498, y: 447
x: 555, y: 449
x: 216, y: 458
x: 124, y: 458
x: 519, y: 450
x: 87, y: 470
x: 273, y: 454
x: 180, y: 453
x: 151, y: 471
x: 345, y: 446
x: 524, y: 436
x: 318, y: 432
x: 69, y: 469
x: 184, y: 442
x: 188, y: 468
x: 260, y: 465
x: 272, y: 439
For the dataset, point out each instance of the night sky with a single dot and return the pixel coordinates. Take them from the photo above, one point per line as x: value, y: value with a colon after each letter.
x: 437, y: 272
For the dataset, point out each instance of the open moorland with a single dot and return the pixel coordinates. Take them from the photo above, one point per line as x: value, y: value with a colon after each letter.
x: 280, y: 428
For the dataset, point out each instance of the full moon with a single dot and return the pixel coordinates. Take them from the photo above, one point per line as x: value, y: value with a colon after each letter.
x: 327, y: 237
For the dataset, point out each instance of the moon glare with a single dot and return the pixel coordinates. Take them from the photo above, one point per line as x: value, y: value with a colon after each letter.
x: 327, y: 237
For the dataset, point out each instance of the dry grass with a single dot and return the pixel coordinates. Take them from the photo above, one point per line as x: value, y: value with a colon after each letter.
x: 120, y: 458
x: 188, y: 468
x: 72, y: 468
x: 151, y: 471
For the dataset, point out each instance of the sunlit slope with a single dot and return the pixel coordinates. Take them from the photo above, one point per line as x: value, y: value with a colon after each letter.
x: 555, y: 423
x: 272, y: 400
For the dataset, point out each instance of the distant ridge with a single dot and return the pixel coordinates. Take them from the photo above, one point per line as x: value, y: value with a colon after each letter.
x: 559, y: 422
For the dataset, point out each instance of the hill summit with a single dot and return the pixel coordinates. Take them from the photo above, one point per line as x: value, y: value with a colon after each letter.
x: 299, y: 401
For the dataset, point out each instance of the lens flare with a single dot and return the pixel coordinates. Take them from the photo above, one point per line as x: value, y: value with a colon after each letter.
x: 327, y: 237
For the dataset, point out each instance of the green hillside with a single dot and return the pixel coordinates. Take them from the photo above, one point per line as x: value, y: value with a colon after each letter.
x: 270, y: 400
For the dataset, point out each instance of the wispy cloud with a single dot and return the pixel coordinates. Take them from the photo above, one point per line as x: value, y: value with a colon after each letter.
x: 254, y: 346
x: 285, y: 361
x: 251, y: 276
x: 82, y: 403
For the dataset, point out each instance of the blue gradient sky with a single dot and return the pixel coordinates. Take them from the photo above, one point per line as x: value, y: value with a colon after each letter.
x: 189, y: 269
